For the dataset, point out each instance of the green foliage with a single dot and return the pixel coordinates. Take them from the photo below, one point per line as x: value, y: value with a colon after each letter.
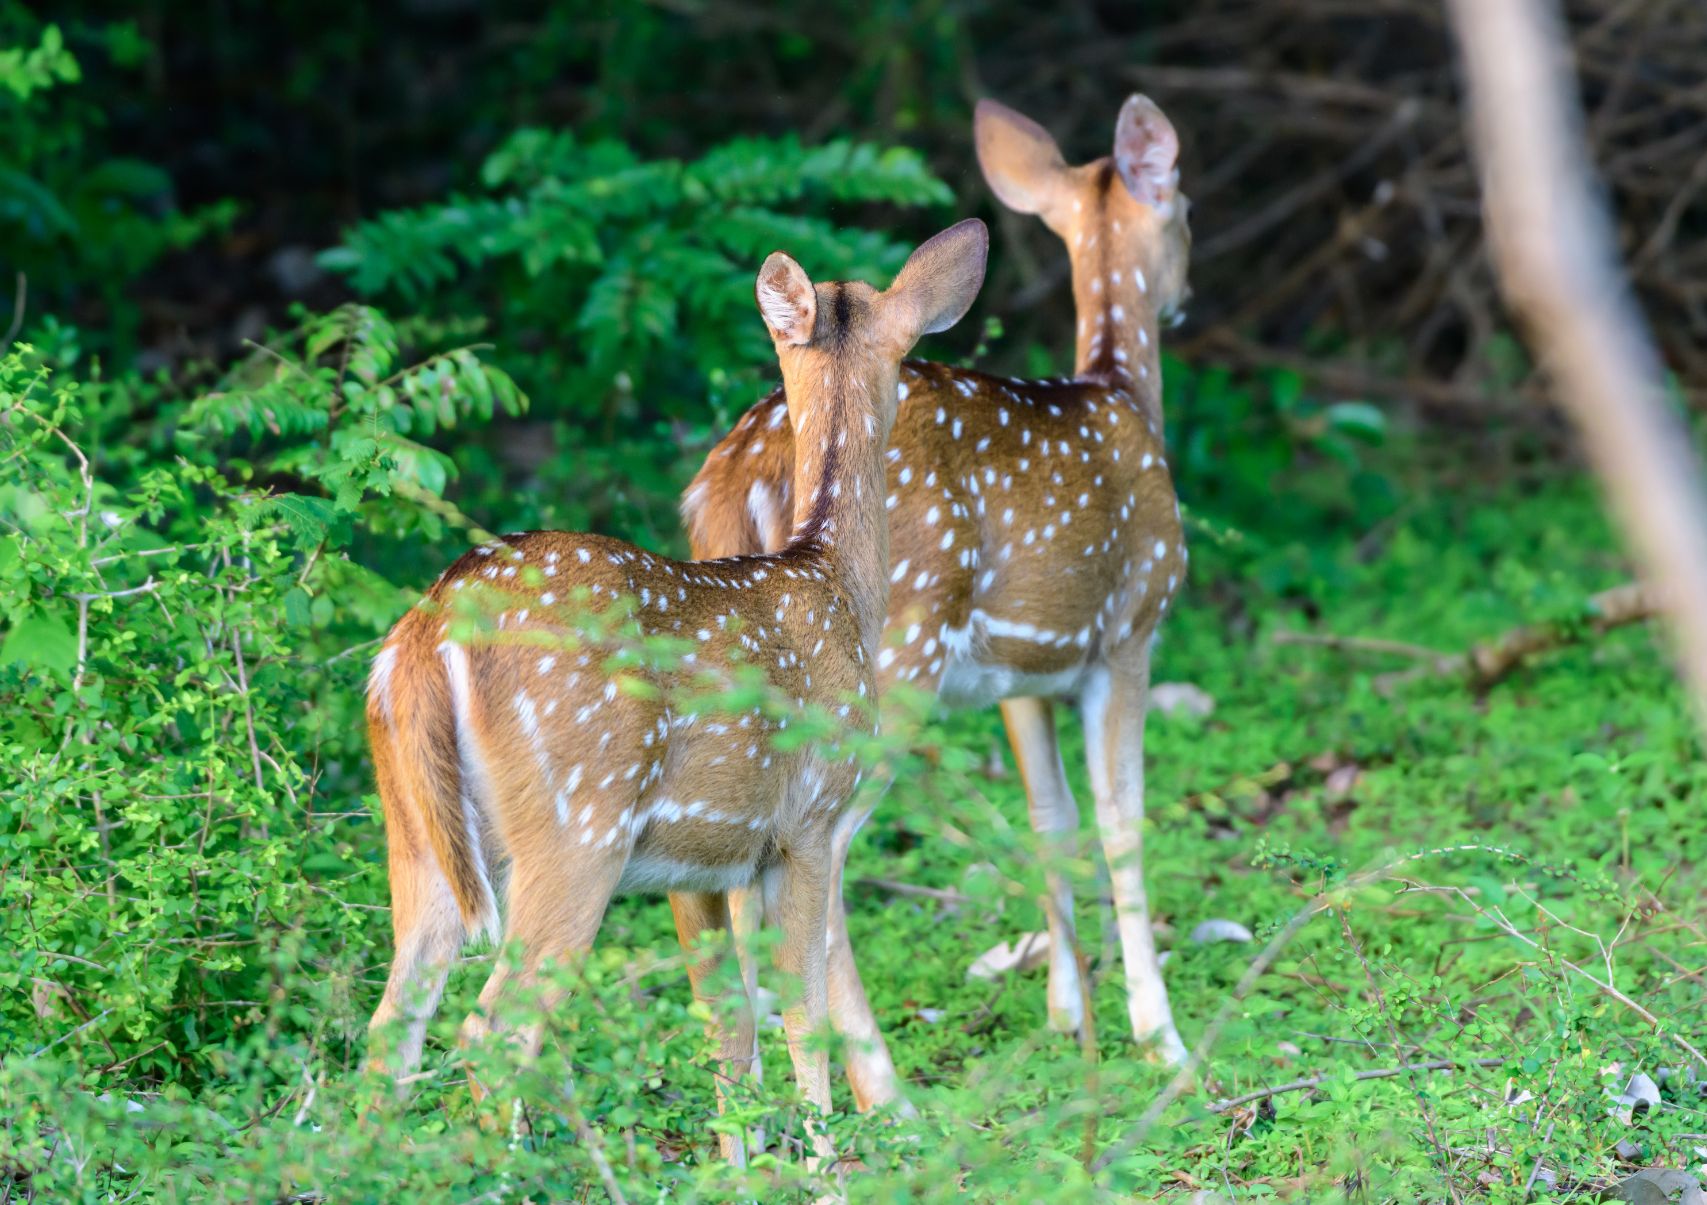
x: 1235, y: 440
x: 342, y: 413
x: 568, y: 205
x: 26, y: 71
x: 196, y: 897
x: 167, y: 676
x: 637, y: 276
x: 75, y: 214
x: 151, y: 819
x: 194, y: 567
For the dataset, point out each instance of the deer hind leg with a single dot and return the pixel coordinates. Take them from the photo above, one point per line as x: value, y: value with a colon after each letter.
x: 746, y: 917
x: 697, y: 913
x: 1055, y: 820
x: 426, y: 926
x: 797, y: 893
x: 871, y: 1070
x: 428, y: 933
x: 1114, y: 704
x: 558, y: 893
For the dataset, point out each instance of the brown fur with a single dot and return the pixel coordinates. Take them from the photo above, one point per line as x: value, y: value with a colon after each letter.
x: 1074, y: 440
x: 1035, y: 537
x: 516, y: 728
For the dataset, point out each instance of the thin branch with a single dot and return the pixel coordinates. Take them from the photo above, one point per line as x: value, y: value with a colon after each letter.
x: 1535, y: 1170
x: 113, y: 558
x: 1490, y: 662
x: 1281, y: 208
x: 248, y: 711
x: 1303, y: 1085
x: 1089, y: 1051
x: 1259, y: 966
x: 1187, y: 1075
x: 18, y: 299
x: 1360, y: 644
x: 896, y: 887
x: 64, y: 1037
x: 1606, y: 986
x: 354, y: 649
x: 1398, y: 1046
x: 147, y: 587
x: 83, y: 601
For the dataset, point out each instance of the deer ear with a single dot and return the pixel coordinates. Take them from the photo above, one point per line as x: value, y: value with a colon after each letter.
x: 787, y: 300
x: 1020, y: 160
x: 939, y: 281
x: 1146, y: 153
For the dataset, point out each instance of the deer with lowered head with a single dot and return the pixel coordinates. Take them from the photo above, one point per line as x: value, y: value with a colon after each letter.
x: 525, y: 783
x: 1035, y: 541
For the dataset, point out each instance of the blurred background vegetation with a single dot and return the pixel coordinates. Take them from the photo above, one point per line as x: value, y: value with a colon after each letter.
x: 305, y: 289
x: 496, y: 170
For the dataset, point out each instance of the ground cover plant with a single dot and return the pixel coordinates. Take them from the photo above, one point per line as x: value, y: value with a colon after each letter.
x: 1495, y: 887
x: 1428, y: 939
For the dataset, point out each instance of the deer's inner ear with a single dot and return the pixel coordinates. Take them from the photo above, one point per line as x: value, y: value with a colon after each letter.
x: 787, y: 300
x: 1146, y: 153
x: 939, y: 281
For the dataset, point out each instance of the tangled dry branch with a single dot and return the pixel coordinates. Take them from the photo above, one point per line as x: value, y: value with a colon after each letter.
x: 1333, y: 188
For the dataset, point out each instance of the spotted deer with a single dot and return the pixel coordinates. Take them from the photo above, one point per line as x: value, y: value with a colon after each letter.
x: 525, y: 782
x: 1035, y: 540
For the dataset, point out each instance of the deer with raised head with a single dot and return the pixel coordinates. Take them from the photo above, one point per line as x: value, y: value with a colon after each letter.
x: 1035, y: 540
x: 524, y: 784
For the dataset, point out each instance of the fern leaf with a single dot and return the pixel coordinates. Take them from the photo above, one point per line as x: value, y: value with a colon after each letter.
x: 269, y: 409
x: 306, y: 518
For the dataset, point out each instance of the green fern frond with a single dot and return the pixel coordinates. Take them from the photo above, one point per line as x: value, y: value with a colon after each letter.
x: 764, y: 171
x: 531, y: 156
x: 306, y: 518
x: 412, y: 250
x: 643, y: 267
x: 274, y: 408
x: 828, y: 251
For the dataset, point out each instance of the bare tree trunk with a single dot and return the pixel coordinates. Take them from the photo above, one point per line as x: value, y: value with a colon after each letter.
x: 1557, y: 262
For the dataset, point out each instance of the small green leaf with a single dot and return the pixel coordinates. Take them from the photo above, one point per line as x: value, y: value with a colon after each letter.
x: 1358, y: 418
x: 296, y: 602
x: 1288, y: 390
x: 308, y: 518
x: 41, y: 640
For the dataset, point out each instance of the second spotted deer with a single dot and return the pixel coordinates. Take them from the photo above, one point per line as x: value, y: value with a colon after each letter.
x: 526, y: 779
x: 1036, y: 541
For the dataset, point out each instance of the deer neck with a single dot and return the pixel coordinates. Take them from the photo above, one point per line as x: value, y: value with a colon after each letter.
x: 1117, y: 322
x: 840, y: 482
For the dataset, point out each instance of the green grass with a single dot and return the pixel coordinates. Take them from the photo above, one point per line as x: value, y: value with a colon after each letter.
x: 1577, y: 782
x: 1582, y: 766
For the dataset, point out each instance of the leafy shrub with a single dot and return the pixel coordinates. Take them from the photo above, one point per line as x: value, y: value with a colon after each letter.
x: 191, y: 878
x: 173, y: 688
x: 652, y: 257
x: 192, y: 571
x: 623, y: 288
x: 75, y: 215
